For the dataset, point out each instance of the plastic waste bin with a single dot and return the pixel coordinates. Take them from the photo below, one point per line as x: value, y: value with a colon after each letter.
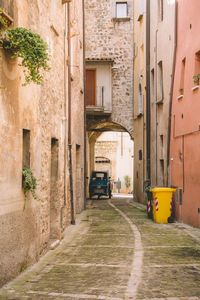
x: 162, y: 203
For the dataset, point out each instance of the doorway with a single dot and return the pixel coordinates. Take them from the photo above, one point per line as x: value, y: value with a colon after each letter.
x: 54, y: 207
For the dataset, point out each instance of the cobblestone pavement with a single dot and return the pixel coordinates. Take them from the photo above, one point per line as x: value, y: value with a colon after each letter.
x: 116, y: 253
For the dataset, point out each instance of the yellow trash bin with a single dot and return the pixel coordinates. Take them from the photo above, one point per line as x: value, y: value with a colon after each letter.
x: 162, y: 203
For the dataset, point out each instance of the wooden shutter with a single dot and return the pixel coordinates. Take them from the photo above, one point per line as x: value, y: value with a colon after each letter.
x: 90, y: 87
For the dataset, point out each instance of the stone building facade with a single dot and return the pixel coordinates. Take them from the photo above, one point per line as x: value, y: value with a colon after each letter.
x: 185, y: 128
x: 162, y: 16
x: 109, y: 55
x: 140, y: 165
x: 41, y: 123
x: 154, y: 32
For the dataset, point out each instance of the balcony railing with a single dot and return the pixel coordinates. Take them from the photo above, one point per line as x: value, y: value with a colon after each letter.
x: 100, y: 107
x: 100, y: 96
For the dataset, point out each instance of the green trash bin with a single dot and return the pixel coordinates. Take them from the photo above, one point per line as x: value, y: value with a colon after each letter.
x: 149, y: 202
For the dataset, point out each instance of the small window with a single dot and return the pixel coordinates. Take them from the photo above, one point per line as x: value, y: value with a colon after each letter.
x: 140, y: 101
x: 182, y: 77
x: 26, y: 148
x: 196, y: 76
x: 152, y: 83
x: 141, y: 11
x: 160, y: 83
x: 160, y: 10
x: 140, y: 154
x: 121, y: 10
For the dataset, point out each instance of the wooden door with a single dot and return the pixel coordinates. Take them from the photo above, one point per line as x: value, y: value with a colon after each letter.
x: 90, y: 87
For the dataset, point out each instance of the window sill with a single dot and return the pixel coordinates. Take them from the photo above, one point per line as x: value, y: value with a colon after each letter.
x: 140, y: 17
x: 180, y: 97
x: 159, y: 102
x: 139, y: 115
x: 127, y: 19
x: 196, y: 87
x: 7, y: 17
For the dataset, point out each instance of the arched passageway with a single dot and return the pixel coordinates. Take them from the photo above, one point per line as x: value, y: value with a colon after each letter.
x: 114, y: 143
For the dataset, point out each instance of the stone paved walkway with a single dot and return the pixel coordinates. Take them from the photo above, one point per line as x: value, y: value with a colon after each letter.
x: 116, y: 253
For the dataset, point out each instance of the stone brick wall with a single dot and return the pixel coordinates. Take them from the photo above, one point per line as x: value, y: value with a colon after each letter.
x: 25, y: 233
x: 111, y: 39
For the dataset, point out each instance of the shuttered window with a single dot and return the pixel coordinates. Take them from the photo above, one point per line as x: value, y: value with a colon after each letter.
x: 91, y: 87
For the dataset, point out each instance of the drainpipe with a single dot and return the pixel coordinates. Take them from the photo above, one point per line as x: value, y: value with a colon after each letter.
x: 85, y: 173
x: 69, y: 116
x: 171, y: 95
x: 156, y: 97
x: 148, y: 107
x: 64, y: 119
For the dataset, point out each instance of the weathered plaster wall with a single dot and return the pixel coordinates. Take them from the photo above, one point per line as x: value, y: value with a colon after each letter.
x: 162, y: 38
x: 185, y: 138
x: 25, y: 233
x: 106, y: 38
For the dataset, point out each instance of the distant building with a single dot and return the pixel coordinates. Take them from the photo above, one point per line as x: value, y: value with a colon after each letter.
x: 37, y: 129
x: 114, y: 153
x: 185, y: 121
x: 109, y: 70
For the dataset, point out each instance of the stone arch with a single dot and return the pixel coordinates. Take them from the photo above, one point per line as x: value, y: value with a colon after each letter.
x: 96, y: 127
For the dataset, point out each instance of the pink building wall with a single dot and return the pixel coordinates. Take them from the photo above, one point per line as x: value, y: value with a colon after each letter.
x: 185, y: 129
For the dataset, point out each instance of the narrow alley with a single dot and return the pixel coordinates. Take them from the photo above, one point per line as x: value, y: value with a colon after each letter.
x: 115, y: 252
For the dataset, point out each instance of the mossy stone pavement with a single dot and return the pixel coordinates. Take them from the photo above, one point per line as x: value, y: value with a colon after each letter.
x: 113, y: 253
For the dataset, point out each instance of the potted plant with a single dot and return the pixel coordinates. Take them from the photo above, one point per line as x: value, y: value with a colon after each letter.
x: 181, y: 91
x: 22, y: 43
x: 196, y: 79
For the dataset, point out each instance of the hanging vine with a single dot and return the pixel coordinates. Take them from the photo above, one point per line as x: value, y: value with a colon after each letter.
x: 29, y: 184
x: 27, y: 45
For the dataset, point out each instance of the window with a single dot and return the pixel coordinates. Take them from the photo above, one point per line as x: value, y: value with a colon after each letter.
x: 182, y: 77
x: 91, y: 87
x: 197, y: 68
x: 140, y: 101
x: 141, y: 11
x: 162, y: 173
x: 26, y: 148
x: 121, y: 10
x: 160, y: 82
x: 152, y: 84
x: 160, y: 10
x: 140, y: 154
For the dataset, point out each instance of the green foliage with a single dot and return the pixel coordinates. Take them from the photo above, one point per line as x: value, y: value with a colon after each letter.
x: 196, y: 78
x: 29, y: 46
x: 29, y: 184
x: 127, y: 181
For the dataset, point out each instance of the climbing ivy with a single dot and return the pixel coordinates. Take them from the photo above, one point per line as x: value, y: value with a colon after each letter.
x: 29, y: 184
x: 23, y: 43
